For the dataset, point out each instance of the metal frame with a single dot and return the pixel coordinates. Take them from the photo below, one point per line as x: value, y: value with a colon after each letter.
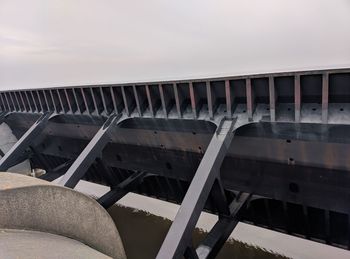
x: 318, y: 97
x: 16, y: 154
x: 306, y: 96
x: 223, y: 228
x: 89, y: 154
x: 178, y: 240
x: 118, y: 192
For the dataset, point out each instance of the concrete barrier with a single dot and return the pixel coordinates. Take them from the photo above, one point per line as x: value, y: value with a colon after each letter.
x: 33, y: 204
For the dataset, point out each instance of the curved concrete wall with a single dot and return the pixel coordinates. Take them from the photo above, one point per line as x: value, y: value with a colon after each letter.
x: 30, y: 203
x: 7, y: 140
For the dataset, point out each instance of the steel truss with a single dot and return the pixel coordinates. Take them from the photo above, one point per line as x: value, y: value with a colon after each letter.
x: 89, y: 154
x: 18, y: 153
x: 77, y: 169
x: 304, y: 111
x: 206, y: 181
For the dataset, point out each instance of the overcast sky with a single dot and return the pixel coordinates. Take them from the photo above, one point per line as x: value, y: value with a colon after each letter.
x: 65, y: 42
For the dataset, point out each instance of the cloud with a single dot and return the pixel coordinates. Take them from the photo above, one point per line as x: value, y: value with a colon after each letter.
x: 50, y: 43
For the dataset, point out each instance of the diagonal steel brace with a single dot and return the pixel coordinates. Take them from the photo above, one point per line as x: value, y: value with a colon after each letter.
x: 90, y: 153
x: 180, y: 232
x: 118, y: 192
x: 15, y: 154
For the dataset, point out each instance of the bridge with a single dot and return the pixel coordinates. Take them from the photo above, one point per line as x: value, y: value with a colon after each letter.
x: 266, y: 149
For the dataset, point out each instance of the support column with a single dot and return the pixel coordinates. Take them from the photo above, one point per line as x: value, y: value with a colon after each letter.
x: 180, y: 233
x: 216, y: 238
x: 89, y: 154
x: 16, y: 153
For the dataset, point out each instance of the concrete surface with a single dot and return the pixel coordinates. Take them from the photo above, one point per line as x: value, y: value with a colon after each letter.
x: 7, y: 140
x: 33, y: 204
x: 24, y: 244
x: 270, y: 240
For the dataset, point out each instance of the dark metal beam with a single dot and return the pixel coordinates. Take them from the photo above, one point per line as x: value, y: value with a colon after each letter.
x: 56, y: 172
x: 190, y: 253
x: 116, y: 193
x: 180, y: 233
x: 216, y: 238
x: 15, y: 154
x: 89, y: 154
x: 219, y: 197
x: 106, y: 173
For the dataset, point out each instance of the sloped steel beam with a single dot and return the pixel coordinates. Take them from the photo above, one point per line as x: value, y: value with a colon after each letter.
x: 15, y: 154
x: 116, y: 193
x: 89, y: 154
x: 56, y: 172
x: 180, y: 233
x: 223, y: 228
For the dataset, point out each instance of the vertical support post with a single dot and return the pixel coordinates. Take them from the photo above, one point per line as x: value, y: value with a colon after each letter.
x: 325, y: 93
x: 250, y: 98
x: 151, y: 100
x: 164, y: 100
x: 229, y: 99
x: 211, y: 100
x: 272, y: 99
x: 89, y: 154
x: 127, y: 99
x: 13, y: 156
x: 178, y: 99
x: 179, y: 235
x: 194, y: 100
x: 137, y: 100
x: 297, y: 97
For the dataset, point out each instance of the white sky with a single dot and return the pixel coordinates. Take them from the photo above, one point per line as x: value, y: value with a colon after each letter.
x: 47, y: 43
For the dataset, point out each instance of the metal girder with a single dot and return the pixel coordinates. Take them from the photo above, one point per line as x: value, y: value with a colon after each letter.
x: 278, y: 97
x: 56, y: 172
x: 116, y: 193
x: 15, y: 154
x: 180, y: 233
x: 223, y: 228
x: 89, y: 154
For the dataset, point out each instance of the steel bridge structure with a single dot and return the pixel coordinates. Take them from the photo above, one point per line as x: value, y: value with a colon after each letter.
x: 267, y: 149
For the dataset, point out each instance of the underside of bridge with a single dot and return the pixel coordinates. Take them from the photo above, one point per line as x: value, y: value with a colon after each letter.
x: 269, y: 150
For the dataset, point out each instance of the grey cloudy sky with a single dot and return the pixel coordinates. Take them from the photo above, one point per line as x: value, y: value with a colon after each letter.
x: 64, y: 42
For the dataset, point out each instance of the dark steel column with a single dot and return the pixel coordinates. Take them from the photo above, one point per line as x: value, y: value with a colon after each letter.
x: 15, y: 154
x: 89, y: 154
x: 179, y: 236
